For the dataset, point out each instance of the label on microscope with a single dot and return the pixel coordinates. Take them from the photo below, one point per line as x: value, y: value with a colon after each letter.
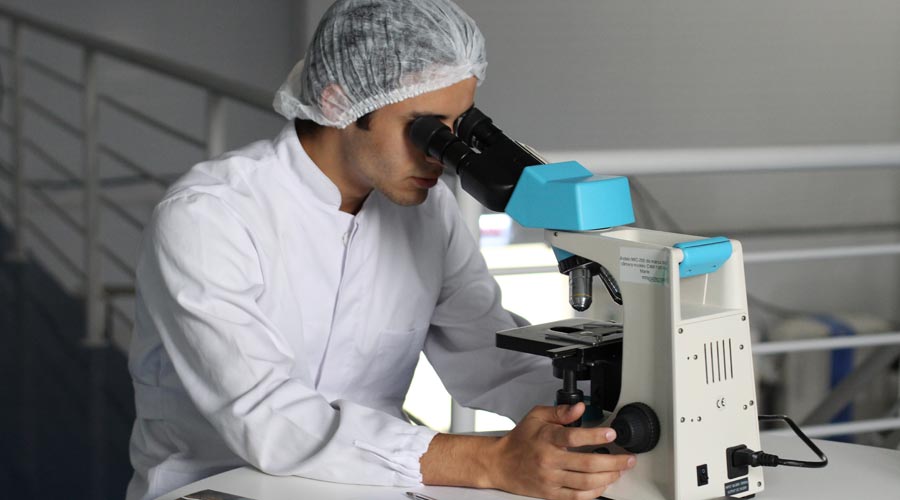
x: 735, y: 487
x: 643, y: 265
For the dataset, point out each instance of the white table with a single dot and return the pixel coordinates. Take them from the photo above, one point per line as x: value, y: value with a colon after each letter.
x: 854, y: 472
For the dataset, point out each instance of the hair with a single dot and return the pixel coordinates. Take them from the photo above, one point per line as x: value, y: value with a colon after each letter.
x: 309, y: 127
x: 364, y: 121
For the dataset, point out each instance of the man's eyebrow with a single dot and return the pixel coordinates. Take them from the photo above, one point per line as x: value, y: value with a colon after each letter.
x: 417, y: 114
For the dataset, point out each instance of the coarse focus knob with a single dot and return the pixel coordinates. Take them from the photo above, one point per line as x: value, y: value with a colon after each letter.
x: 637, y: 428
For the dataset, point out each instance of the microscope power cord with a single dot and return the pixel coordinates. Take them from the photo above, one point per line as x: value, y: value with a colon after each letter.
x: 747, y: 457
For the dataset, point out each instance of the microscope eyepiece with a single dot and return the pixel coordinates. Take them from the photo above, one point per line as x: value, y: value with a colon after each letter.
x: 477, y: 130
x: 430, y: 135
x: 488, y: 163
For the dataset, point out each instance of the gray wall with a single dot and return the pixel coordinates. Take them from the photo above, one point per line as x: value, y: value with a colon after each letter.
x: 623, y: 75
x: 247, y: 40
x: 588, y: 75
x: 696, y: 74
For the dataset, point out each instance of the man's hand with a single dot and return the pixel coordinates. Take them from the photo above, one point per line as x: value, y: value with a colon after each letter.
x: 533, y: 459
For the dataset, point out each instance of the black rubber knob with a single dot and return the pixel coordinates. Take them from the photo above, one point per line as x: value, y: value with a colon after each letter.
x: 637, y: 428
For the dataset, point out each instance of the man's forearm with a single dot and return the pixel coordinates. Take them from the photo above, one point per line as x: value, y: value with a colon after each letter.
x: 455, y: 460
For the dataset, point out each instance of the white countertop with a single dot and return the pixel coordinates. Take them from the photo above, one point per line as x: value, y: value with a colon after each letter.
x: 854, y: 472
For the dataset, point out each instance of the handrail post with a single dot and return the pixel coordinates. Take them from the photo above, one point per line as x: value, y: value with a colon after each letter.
x: 93, y: 284
x: 462, y: 419
x: 215, y: 125
x: 18, y: 148
x: 470, y: 210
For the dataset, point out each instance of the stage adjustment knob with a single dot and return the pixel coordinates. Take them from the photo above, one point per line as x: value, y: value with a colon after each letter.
x: 637, y: 428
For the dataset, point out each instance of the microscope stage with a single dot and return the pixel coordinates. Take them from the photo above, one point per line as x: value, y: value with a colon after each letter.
x: 560, y: 339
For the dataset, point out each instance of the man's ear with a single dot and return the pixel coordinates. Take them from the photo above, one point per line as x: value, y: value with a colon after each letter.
x: 334, y: 102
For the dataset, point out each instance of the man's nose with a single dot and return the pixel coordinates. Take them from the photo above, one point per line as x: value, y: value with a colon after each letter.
x: 433, y: 162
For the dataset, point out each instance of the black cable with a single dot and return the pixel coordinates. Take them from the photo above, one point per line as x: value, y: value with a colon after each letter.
x: 747, y: 457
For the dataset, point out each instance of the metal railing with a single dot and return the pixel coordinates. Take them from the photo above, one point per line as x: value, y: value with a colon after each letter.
x: 99, y: 296
x: 98, y: 304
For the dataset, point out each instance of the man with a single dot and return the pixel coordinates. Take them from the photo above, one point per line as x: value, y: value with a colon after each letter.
x: 285, y: 290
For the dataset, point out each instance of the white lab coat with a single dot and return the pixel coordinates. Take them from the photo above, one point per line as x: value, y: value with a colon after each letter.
x: 274, y: 330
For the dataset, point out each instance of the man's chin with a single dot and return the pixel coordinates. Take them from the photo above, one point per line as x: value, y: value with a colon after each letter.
x: 408, y: 199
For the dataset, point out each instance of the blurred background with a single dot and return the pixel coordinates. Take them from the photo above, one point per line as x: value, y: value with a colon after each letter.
x: 773, y: 122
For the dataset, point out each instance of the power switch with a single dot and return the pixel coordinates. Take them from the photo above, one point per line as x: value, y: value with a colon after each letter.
x: 702, y: 475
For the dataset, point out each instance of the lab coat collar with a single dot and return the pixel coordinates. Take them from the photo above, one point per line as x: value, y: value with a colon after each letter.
x: 291, y: 152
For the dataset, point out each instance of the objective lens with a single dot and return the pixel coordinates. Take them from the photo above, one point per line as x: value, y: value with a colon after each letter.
x: 580, y: 288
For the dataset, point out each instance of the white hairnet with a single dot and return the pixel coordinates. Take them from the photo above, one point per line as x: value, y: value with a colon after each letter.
x: 367, y: 54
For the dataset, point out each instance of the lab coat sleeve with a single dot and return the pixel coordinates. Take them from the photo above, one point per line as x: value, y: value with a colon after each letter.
x: 461, y: 344
x: 199, y: 277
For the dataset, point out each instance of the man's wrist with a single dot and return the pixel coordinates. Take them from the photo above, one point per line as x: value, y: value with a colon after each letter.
x: 489, y: 461
x: 458, y: 460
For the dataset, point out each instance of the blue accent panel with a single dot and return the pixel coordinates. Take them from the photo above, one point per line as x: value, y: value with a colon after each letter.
x: 841, y: 366
x: 703, y: 256
x: 568, y: 197
x: 561, y: 255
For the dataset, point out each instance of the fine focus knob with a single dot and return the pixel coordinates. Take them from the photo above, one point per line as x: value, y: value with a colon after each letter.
x: 637, y: 428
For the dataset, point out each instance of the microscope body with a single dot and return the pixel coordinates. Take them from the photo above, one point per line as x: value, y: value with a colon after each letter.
x: 686, y: 354
x: 675, y: 379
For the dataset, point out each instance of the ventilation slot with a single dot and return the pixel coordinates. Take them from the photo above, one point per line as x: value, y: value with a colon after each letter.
x: 719, y: 361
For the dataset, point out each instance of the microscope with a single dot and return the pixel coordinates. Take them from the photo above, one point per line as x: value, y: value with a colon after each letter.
x: 675, y: 378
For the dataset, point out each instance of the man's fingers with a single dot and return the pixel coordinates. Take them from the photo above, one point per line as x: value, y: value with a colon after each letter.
x: 586, y: 482
x: 574, y: 437
x: 561, y: 415
x: 596, y: 462
x: 566, y: 414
